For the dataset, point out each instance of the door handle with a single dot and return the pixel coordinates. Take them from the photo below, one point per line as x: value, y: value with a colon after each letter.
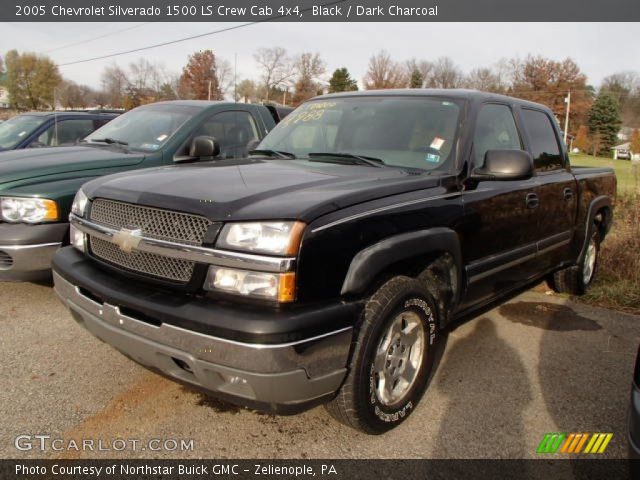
x: 532, y: 200
x: 568, y: 193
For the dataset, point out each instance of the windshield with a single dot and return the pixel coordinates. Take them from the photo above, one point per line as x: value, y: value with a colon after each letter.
x: 411, y: 132
x: 144, y: 128
x: 13, y: 131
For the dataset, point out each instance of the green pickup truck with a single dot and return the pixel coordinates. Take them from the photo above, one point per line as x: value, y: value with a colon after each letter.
x: 38, y: 186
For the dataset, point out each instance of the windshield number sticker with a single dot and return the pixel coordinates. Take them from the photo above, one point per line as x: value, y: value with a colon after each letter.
x: 437, y: 143
x: 313, y: 112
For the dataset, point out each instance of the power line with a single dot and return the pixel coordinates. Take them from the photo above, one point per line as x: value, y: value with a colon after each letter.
x: 81, y: 42
x: 171, y: 42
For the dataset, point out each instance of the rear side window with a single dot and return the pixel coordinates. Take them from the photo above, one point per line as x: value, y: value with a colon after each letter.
x: 64, y: 133
x: 234, y: 131
x: 544, y: 144
x: 495, y: 130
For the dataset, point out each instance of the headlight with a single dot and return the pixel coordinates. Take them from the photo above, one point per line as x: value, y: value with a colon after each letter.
x: 275, y: 238
x: 79, y: 204
x: 279, y: 287
x: 28, y: 210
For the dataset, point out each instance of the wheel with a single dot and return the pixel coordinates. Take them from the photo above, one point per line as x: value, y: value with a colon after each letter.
x: 392, y: 358
x: 576, y: 279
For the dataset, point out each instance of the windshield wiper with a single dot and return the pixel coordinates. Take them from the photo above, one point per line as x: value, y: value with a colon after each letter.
x: 273, y: 153
x: 350, y: 158
x: 109, y: 141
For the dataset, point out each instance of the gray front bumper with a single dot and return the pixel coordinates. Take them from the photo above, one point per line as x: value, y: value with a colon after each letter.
x: 253, y: 374
x: 26, y: 262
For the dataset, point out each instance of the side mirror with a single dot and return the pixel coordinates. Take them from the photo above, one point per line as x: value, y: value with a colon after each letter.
x: 203, y: 146
x: 504, y: 165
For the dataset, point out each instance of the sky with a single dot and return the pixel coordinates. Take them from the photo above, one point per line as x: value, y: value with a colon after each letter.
x: 600, y: 49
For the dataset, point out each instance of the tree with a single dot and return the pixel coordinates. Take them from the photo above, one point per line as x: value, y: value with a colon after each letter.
x: 199, y: 79
x: 445, y: 74
x: 309, y: 68
x: 422, y: 66
x: 31, y: 80
x: 341, y: 81
x: 114, y: 84
x: 604, y: 122
x: 635, y: 142
x: 384, y: 72
x: 247, y: 91
x: 581, y: 142
x: 416, y: 80
x: 625, y: 86
x: 484, y: 79
x: 276, y: 68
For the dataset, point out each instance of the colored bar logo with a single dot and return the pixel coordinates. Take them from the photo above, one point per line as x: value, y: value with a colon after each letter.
x: 574, y: 443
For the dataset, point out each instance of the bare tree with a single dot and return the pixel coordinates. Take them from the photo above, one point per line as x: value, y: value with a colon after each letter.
x: 423, y: 67
x: 484, y: 79
x: 225, y: 75
x: 309, y: 67
x: 247, y: 91
x: 276, y: 67
x: 114, y: 84
x: 384, y: 72
x: 445, y: 74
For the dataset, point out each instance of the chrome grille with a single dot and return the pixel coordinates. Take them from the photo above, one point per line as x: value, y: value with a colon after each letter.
x: 142, y: 262
x: 155, y: 223
x: 6, y: 262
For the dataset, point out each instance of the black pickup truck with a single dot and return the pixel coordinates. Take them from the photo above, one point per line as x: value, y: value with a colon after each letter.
x: 37, y: 186
x: 326, y: 266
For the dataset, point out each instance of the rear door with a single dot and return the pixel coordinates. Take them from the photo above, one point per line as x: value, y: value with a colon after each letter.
x: 500, y: 234
x: 557, y: 188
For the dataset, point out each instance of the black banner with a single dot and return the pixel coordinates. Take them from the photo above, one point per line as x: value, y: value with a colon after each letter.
x: 320, y: 10
x: 319, y: 469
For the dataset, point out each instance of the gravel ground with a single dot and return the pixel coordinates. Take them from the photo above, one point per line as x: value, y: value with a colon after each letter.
x: 534, y: 365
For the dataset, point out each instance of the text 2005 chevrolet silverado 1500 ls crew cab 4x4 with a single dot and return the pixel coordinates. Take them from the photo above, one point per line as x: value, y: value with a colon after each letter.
x: 324, y: 267
x: 38, y: 186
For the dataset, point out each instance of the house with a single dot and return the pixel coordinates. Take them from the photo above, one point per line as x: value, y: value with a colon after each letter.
x: 4, y: 98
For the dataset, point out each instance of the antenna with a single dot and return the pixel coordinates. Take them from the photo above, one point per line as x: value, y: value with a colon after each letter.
x: 235, y: 77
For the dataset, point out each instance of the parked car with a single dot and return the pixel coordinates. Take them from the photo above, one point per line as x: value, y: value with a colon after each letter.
x: 325, y: 267
x: 634, y: 413
x: 50, y: 129
x: 38, y: 186
x: 624, y: 154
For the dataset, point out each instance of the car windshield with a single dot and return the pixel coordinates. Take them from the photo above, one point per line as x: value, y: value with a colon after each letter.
x: 145, y: 128
x: 411, y: 132
x: 13, y: 131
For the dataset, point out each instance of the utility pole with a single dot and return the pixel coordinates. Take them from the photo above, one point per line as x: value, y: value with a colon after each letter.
x: 567, y: 100
x: 235, y: 77
x: 209, y: 96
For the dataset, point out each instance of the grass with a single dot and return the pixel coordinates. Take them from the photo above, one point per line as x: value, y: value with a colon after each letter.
x: 617, y: 284
x: 627, y: 173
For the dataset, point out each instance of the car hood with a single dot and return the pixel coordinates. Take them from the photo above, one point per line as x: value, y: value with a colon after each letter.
x: 30, y: 163
x: 254, y: 189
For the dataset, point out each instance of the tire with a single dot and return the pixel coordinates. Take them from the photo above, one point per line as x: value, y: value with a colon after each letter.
x: 394, y: 348
x: 576, y: 279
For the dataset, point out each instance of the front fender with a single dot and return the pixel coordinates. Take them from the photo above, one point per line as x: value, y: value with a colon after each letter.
x: 373, y: 260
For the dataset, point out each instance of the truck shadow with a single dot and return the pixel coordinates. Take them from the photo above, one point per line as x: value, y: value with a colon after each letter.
x: 487, y: 389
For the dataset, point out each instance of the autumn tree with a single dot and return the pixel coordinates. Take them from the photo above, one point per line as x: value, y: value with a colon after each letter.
x: 31, y: 80
x: 549, y: 82
x: 276, y: 68
x: 199, y: 79
x: 604, y: 122
x: 309, y: 67
x: 635, y: 142
x: 246, y: 91
x: 384, y: 72
x: 341, y: 81
x: 581, y: 142
x: 484, y: 79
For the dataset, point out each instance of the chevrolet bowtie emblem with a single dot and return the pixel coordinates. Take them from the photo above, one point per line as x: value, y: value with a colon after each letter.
x: 128, y: 239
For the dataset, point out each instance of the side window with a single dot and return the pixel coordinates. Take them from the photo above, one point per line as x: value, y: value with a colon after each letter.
x: 495, y: 130
x: 233, y: 131
x: 544, y: 144
x: 66, y: 132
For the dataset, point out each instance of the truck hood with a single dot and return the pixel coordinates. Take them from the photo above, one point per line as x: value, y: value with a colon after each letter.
x: 30, y: 163
x: 254, y: 189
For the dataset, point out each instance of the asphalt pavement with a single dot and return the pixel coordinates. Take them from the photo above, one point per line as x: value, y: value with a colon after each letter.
x: 536, y: 364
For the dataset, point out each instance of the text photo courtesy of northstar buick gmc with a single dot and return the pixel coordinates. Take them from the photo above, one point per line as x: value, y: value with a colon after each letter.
x: 37, y: 186
x: 325, y: 266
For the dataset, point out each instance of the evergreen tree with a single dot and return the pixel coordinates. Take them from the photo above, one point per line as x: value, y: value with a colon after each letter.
x: 604, y: 122
x: 416, y: 80
x: 341, y: 81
